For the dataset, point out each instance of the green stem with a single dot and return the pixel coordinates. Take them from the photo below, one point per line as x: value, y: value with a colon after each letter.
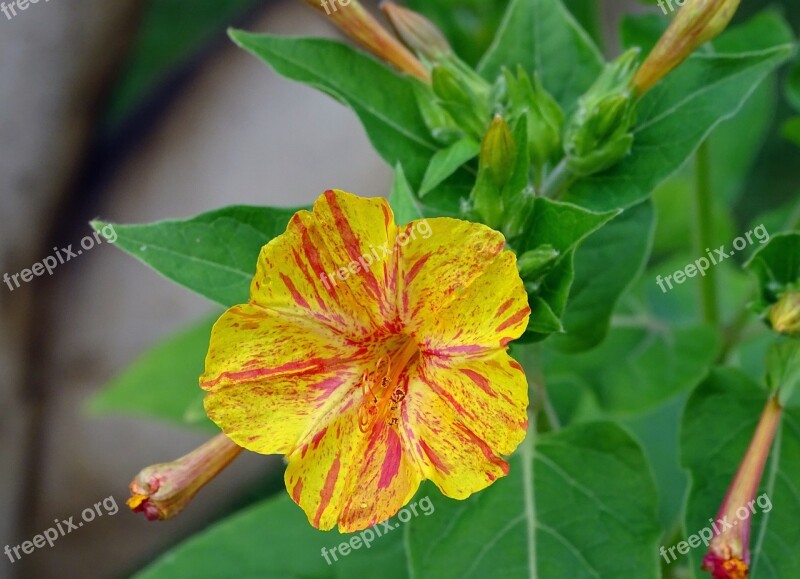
x: 558, y: 181
x: 703, y: 231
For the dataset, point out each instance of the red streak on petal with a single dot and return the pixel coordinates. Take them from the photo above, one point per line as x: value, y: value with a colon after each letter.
x: 387, y: 217
x: 326, y: 494
x: 391, y: 465
x: 298, y: 367
x: 310, y: 280
x: 480, y: 380
x: 504, y: 307
x: 447, y: 396
x: 518, y: 317
x: 435, y: 460
x: 416, y: 268
x: 318, y: 437
x: 351, y: 243
x: 297, y: 490
x: 455, y: 350
x: 298, y: 298
x: 312, y: 255
x: 487, y: 452
x: 328, y: 386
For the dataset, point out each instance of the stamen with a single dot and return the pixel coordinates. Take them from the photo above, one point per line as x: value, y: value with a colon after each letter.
x: 381, y: 391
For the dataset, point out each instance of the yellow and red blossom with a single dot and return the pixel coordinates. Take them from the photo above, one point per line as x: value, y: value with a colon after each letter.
x: 373, y: 382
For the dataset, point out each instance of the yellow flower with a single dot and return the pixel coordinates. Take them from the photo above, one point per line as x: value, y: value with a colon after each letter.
x: 374, y: 356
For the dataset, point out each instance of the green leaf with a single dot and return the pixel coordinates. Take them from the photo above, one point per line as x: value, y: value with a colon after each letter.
x: 402, y: 200
x: 791, y: 130
x: 382, y: 98
x: 578, y: 503
x: 274, y: 540
x: 562, y: 227
x: 719, y: 421
x: 776, y: 266
x: 793, y: 85
x: 213, y: 254
x: 544, y: 38
x: 676, y: 116
x: 446, y: 162
x: 543, y: 319
x: 641, y: 364
x: 605, y: 266
x: 642, y: 30
x: 163, y: 382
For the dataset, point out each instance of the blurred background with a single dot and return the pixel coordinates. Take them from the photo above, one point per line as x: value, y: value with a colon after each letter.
x: 135, y: 111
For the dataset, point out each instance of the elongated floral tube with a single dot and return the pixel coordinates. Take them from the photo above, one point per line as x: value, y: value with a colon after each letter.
x: 162, y: 491
x: 357, y: 23
x: 729, y: 552
x: 697, y: 22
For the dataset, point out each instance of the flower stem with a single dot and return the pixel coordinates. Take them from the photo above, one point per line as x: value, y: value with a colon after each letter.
x: 703, y: 231
x: 558, y: 181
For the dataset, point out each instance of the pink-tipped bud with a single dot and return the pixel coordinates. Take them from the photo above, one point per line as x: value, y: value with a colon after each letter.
x: 162, y: 491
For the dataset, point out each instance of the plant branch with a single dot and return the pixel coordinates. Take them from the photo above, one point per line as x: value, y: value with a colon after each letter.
x: 703, y: 231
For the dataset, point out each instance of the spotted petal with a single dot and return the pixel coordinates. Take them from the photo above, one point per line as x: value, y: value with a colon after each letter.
x: 460, y: 416
x: 459, y: 291
x: 271, y: 376
x: 332, y: 265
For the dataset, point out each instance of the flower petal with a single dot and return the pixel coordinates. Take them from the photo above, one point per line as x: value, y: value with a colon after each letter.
x: 270, y: 376
x: 334, y: 264
x: 461, y: 415
x: 461, y: 297
x: 341, y: 475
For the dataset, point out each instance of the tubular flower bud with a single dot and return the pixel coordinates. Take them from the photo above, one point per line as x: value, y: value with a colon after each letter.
x: 463, y: 96
x: 784, y: 316
x: 357, y: 23
x: 598, y: 135
x: 162, y: 491
x: 536, y: 262
x: 728, y: 555
x: 417, y: 32
x: 543, y: 114
x: 697, y: 22
x: 499, y: 152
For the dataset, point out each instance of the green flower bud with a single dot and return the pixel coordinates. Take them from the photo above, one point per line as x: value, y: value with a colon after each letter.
x: 498, y: 152
x: 533, y: 264
x: 439, y: 122
x: 784, y: 316
x: 598, y: 135
x: 463, y: 94
x: 544, y: 116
